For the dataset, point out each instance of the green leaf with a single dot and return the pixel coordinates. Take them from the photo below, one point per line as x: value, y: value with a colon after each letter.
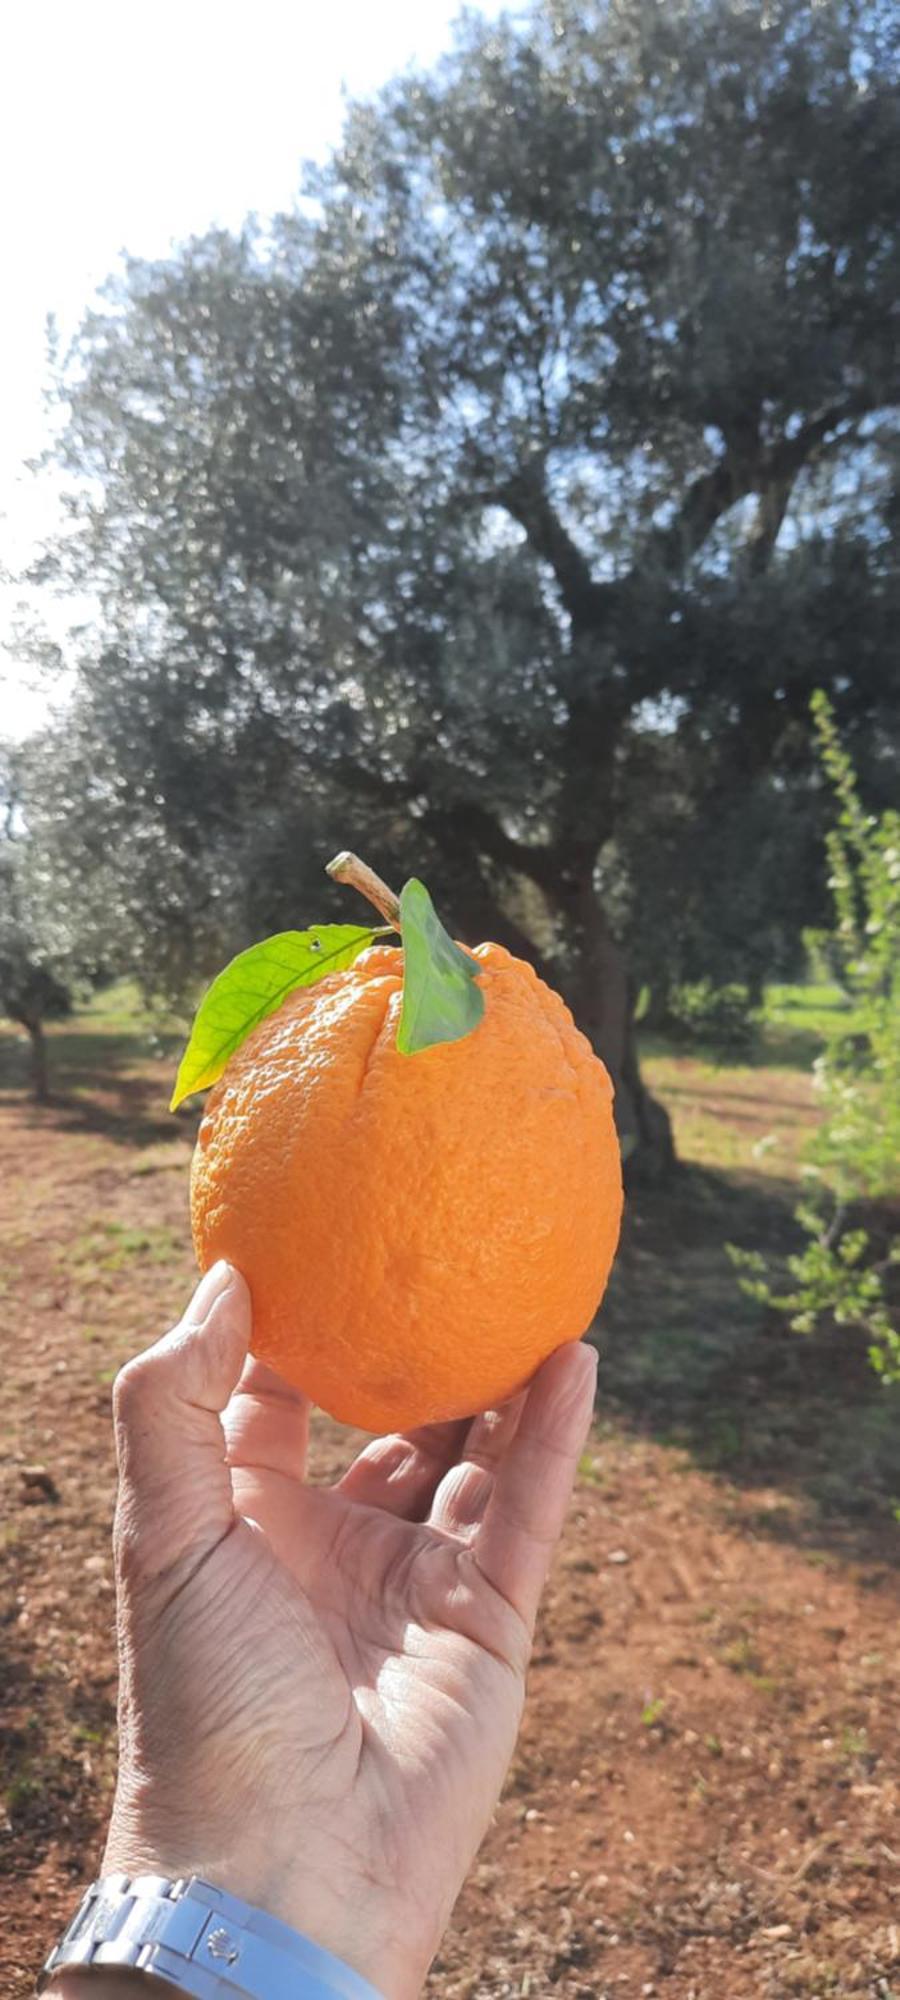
x: 253, y: 986
x: 642, y: 1003
x: 441, y: 1002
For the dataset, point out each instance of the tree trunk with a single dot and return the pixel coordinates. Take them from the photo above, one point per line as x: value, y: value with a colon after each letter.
x: 602, y: 1001
x: 598, y: 988
x: 40, y: 1084
x: 653, y: 1155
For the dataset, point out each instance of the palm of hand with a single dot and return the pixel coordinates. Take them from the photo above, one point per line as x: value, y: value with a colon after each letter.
x: 326, y: 1685
x: 396, y: 1666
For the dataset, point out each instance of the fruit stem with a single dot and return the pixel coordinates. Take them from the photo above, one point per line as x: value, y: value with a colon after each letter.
x: 358, y: 875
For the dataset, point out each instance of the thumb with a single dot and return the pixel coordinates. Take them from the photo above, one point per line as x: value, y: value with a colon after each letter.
x: 175, y: 1500
x: 527, y: 1504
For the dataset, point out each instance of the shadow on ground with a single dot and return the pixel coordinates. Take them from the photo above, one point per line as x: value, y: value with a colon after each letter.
x: 687, y: 1358
x: 45, y: 1780
x: 99, y: 1083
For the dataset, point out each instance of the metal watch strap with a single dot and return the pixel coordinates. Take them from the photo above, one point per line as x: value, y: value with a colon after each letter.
x: 200, y: 1940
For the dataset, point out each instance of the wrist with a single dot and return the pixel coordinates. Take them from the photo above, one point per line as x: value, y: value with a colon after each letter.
x: 194, y: 1936
x: 322, y: 1900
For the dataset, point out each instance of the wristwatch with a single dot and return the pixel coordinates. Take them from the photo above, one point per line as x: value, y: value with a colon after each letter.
x: 200, y: 1940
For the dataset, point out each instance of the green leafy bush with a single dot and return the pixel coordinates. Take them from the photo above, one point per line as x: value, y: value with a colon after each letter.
x: 849, y: 1268
x: 718, y: 1016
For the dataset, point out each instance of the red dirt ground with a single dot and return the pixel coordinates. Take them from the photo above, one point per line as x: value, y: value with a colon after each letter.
x: 704, y: 1804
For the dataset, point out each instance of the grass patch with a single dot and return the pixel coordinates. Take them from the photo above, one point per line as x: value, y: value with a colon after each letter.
x: 108, y: 1246
x: 790, y: 1029
x: 741, y: 1656
x: 797, y: 1021
x: 812, y: 1009
x: 20, y: 1793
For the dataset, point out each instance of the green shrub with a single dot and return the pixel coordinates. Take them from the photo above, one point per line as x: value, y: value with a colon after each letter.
x: 849, y: 1268
x: 718, y: 1016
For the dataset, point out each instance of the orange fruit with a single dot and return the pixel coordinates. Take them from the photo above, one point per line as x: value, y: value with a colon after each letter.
x: 418, y: 1231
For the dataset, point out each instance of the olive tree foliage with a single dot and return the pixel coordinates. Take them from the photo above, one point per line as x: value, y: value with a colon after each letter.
x: 500, y: 508
x: 40, y: 962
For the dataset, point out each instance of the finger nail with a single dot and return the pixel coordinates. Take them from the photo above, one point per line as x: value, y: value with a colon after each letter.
x: 214, y: 1282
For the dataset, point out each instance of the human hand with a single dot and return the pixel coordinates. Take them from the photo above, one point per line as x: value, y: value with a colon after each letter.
x: 320, y: 1690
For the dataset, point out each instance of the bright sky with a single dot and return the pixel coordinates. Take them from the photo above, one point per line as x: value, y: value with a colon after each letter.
x: 130, y: 127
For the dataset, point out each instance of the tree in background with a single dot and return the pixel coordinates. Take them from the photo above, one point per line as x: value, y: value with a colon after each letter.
x: 850, y: 1266
x: 35, y: 959
x: 500, y: 510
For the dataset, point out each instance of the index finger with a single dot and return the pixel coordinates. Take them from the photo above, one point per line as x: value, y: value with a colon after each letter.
x: 266, y: 1423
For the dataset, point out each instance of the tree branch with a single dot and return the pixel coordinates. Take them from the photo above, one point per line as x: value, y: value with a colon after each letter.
x: 525, y: 497
x: 746, y: 467
x: 467, y: 822
x: 707, y: 499
x: 771, y: 510
x: 769, y: 470
x: 472, y: 824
